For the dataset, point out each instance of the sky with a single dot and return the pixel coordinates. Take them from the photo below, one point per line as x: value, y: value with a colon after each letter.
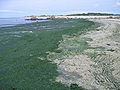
x: 19, y: 8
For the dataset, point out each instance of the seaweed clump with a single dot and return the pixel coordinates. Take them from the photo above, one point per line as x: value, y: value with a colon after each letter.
x: 75, y: 86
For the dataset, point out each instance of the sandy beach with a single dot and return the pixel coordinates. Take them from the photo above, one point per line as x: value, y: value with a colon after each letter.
x: 99, y: 73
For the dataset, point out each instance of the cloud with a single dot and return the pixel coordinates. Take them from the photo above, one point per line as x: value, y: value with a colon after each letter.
x: 118, y: 3
x: 11, y: 11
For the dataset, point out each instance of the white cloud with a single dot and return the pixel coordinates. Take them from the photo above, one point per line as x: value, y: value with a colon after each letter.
x: 11, y: 11
x: 118, y: 3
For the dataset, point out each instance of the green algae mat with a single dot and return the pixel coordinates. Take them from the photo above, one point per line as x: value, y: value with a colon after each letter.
x: 24, y: 49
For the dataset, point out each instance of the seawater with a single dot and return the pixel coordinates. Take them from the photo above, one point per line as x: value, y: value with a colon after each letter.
x: 5, y: 22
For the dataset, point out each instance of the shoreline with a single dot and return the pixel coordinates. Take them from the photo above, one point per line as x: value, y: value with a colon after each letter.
x: 8, y: 22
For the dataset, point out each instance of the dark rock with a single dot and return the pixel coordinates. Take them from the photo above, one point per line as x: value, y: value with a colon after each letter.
x: 108, y: 44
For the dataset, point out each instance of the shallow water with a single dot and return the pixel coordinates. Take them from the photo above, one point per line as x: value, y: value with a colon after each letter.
x: 5, y: 22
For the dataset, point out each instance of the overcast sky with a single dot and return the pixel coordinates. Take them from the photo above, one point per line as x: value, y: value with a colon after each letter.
x: 16, y: 8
